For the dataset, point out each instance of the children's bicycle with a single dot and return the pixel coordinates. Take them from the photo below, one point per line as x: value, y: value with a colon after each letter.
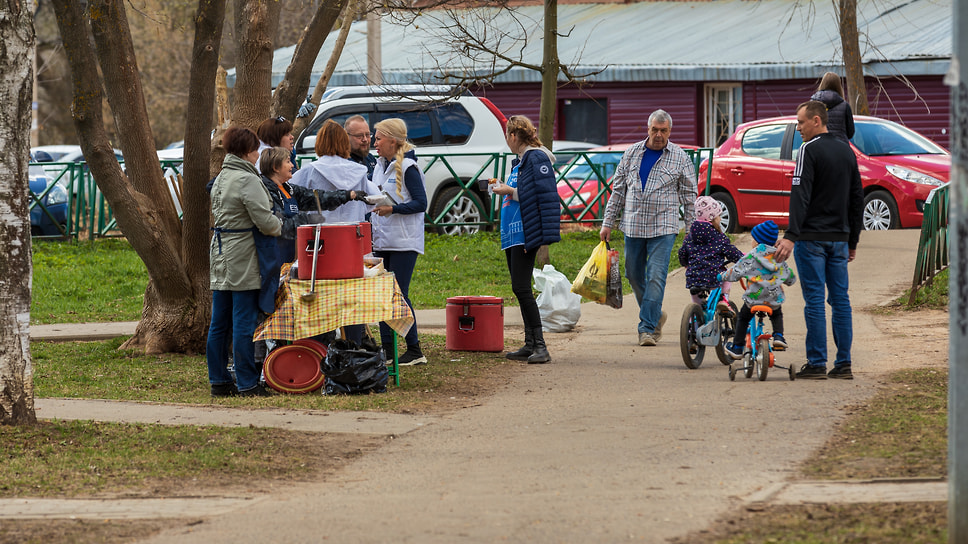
x: 706, y: 324
x: 758, y: 355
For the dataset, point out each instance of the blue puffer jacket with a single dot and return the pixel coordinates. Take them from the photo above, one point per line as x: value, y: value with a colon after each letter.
x: 538, y: 196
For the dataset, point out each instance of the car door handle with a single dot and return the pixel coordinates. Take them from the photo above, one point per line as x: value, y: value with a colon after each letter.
x: 737, y: 170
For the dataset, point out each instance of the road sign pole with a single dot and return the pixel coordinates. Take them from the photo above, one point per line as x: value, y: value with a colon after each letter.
x: 957, y: 78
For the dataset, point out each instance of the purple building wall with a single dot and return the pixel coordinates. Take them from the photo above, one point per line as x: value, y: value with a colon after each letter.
x: 924, y: 109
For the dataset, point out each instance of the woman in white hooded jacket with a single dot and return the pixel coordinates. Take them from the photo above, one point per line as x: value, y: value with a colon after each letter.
x: 333, y: 171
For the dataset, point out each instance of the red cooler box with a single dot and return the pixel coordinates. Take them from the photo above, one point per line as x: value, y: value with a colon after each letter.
x: 340, y: 251
x: 475, y: 323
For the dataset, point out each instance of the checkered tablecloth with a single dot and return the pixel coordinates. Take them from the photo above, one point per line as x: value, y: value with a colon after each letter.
x: 338, y: 303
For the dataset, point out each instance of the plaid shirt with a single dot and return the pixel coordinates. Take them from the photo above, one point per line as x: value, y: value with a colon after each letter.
x: 654, y: 211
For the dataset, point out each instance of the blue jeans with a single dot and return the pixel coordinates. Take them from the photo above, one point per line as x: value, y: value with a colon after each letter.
x: 823, y: 268
x: 401, y: 263
x: 238, y: 309
x: 646, y: 267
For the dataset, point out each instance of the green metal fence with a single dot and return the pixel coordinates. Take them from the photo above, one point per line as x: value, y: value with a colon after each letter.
x: 933, y: 246
x: 459, y: 202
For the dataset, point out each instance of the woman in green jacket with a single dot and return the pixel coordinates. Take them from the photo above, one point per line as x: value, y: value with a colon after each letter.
x: 242, y: 218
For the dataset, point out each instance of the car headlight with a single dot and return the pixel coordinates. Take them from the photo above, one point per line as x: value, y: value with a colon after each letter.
x: 912, y: 176
x: 57, y: 195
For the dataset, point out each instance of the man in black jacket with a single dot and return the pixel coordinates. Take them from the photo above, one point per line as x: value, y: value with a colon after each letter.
x: 826, y: 207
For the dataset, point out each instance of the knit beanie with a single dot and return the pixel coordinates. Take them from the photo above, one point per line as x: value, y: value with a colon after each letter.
x: 707, y: 209
x: 765, y: 233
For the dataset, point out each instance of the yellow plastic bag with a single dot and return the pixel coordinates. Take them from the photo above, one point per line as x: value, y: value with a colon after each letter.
x: 592, y: 279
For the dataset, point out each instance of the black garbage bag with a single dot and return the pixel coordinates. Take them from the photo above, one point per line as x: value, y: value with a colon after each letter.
x: 353, y: 371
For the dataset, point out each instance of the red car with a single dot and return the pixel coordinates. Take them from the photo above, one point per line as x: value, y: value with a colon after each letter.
x: 752, y: 172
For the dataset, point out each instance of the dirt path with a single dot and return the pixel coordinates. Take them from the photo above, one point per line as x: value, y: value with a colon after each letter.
x: 611, y: 441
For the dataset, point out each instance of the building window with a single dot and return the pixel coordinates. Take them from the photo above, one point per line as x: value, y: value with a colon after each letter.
x: 583, y: 120
x: 724, y: 111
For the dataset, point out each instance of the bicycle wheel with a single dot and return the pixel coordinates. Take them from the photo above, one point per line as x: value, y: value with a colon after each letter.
x: 692, y: 350
x: 748, y: 359
x: 727, y: 328
x: 762, y: 358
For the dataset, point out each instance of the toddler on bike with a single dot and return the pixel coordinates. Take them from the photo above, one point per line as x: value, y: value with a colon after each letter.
x: 765, y: 279
x: 705, y: 252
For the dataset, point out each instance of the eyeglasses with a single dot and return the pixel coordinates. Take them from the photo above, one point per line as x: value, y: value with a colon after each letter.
x: 360, y: 136
x: 280, y: 119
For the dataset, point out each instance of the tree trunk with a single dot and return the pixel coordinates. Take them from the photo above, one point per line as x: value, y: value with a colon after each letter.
x: 16, y: 94
x: 291, y: 92
x: 173, y: 310
x: 853, y: 64
x: 300, y: 123
x: 550, y: 67
x: 255, y: 24
x: 196, y: 206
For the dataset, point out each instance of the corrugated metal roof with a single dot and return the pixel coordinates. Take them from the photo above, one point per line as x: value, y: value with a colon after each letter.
x: 733, y: 40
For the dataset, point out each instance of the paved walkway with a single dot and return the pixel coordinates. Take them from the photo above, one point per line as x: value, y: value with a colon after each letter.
x: 610, y: 441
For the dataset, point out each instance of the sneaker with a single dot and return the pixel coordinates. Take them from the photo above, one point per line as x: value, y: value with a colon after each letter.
x: 723, y: 309
x: 841, y: 373
x: 811, y: 372
x: 257, y: 391
x: 779, y: 343
x: 734, y: 350
x: 657, y: 333
x: 646, y: 339
x: 412, y: 357
x: 224, y: 390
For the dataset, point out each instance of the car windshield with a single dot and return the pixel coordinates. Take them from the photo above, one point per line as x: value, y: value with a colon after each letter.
x: 887, y: 138
x: 605, y: 163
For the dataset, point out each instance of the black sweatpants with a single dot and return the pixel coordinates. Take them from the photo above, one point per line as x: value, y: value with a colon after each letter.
x: 743, y: 323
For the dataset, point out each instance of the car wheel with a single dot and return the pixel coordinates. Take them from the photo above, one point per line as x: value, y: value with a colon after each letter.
x: 729, y: 218
x: 880, y: 211
x: 467, y: 209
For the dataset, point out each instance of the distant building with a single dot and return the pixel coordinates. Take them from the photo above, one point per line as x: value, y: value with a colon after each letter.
x: 710, y: 64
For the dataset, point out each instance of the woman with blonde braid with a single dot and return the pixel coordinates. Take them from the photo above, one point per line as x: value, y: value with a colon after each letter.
x: 398, y: 230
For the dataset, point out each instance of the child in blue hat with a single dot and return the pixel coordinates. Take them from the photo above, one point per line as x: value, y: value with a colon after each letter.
x: 765, y: 280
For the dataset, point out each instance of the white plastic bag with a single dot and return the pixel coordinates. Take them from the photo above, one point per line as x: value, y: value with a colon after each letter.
x: 558, y: 306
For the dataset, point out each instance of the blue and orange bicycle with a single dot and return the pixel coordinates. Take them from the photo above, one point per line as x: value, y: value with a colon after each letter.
x: 758, y: 355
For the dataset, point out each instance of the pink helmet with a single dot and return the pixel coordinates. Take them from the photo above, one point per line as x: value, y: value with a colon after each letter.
x: 707, y: 209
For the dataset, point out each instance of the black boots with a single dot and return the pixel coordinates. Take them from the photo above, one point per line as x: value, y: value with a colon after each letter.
x: 526, y: 350
x: 539, y: 353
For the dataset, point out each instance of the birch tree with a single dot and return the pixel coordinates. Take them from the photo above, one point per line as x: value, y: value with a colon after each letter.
x: 16, y: 93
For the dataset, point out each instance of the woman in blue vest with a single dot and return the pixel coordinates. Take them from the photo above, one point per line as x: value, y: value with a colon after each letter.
x: 530, y: 218
x: 398, y: 230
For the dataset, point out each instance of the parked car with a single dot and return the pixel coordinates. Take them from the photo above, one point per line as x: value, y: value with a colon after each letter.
x: 584, y: 187
x: 752, y: 172
x: 66, y: 154
x: 48, y: 216
x: 436, y: 124
x: 568, y: 151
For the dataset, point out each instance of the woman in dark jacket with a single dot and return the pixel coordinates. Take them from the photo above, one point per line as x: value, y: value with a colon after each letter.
x: 293, y: 204
x: 530, y: 218
x: 840, y: 118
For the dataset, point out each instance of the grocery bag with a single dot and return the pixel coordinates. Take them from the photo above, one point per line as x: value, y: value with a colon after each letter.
x: 558, y: 306
x: 592, y: 279
x: 613, y: 288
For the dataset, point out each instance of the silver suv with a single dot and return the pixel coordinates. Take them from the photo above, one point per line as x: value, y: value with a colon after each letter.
x: 439, y: 126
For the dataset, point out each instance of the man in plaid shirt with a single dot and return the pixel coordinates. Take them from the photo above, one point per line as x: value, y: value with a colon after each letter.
x: 653, y: 178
